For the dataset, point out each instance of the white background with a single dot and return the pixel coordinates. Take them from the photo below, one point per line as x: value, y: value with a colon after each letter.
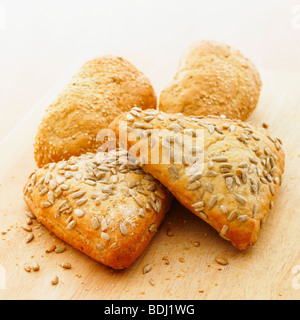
x: 40, y: 41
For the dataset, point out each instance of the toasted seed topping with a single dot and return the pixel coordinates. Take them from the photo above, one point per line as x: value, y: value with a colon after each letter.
x: 95, y: 223
x: 211, y: 174
x: 223, y: 209
x: 78, y: 194
x: 153, y: 228
x: 123, y: 229
x: 99, y: 247
x: 202, y: 215
x: 81, y: 202
x: 229, y: 182
x: 79, y: 213
x: 173, y: 172
x: 243, y: 218
x: 105, y: 236
x: 221, y: 159
x: 71, y: 225
x: 233, y: 214
x: 224, y: 229
x: 51, y: 197
x: 272, y: 189
x: 212, y: 202
x: 240, y: 198
x: 45, y: 204
x: 104, y: 225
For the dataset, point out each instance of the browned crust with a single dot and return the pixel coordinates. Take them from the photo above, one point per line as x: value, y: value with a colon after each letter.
x: 225, y: 143
x: 213, y: 79
x: 103, y: 88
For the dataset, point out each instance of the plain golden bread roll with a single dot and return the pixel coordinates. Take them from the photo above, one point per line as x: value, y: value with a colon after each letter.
x: 230, y: 180
x: 103, y: 88
x: 103, y: 205
x: 213, y: 79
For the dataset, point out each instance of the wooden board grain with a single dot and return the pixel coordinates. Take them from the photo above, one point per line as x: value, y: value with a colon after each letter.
x: 181, y: 269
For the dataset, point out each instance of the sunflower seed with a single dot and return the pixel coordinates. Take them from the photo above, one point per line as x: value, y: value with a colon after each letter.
x: 35, y: 266
x: 60, y: 179
x: 175, y: 127
x: 212, y: 202
x: 54, y: 281
x: 147, y: 268
x: 229, y: 182
x: 71, y: 225
x: 173, y: 172
x: 51, y: 197
x: 272, y: 189
x: 66, y: 265
x: 223, y: 209
x: 78, y: 194
x: 221, y: 159
x: 52, y: 185
x: 209, y: 187
x: 240, y: 198
x: 79, y: 213
x: 104, y: 225
x: 99, y: 247
x: 105, y: 236
x: 60, y: 249
x: 29, y: 238
x: 195, y: 177
x: 243, y: 218
x: 81, y: 202
x: 45, y: 204
x: 123, y: 229
x: 44, y: 191
x: 153, y: 228
x: 224, y: 229
x: 202, y: 215
x: 211, y: 174
x: 95, y: 223
x: 222, y: 261
x: 232, y: 215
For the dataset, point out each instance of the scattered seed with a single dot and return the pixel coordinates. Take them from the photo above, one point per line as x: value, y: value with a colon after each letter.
x: 51, y: 249
x: 221, y: 260
x: 66, y: 265
x: 60, y: 249
x: 29, y: 238
x: 147, y: 268
x: 35, y: 266
x: 55, y: 281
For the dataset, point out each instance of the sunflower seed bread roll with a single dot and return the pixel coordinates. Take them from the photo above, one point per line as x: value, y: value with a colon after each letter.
x: 230, y: 180
x: 213, y: 79
x: 103, y: 205
x: 103, y: 88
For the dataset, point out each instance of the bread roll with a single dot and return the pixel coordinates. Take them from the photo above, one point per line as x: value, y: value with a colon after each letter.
x: 103, y: 205
x: 213, y: 79
x: 230, y: 180
x: 103, y: 88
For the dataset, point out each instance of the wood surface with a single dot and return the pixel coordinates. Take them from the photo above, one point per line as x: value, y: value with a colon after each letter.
x: 180, y: 270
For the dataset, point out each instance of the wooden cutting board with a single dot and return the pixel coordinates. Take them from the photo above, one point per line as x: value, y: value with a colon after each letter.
x: 184, y: 265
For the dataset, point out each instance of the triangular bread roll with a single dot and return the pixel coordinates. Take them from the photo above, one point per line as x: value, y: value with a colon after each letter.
x: 103, y: 205
x: 230, y: 179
